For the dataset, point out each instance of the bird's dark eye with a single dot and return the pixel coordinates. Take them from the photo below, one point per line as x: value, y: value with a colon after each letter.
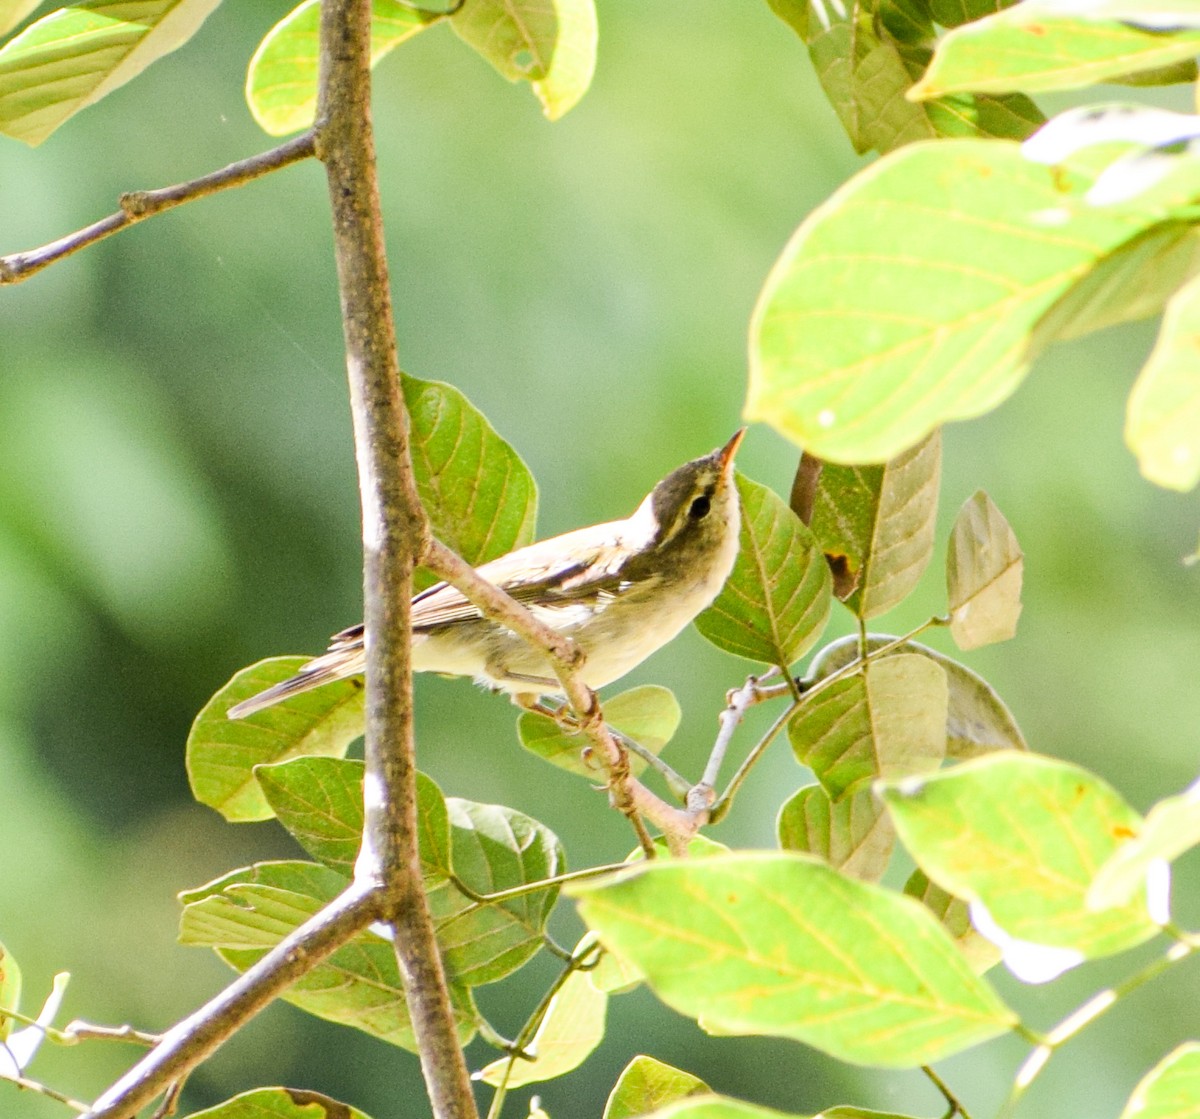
x: 699, y: 508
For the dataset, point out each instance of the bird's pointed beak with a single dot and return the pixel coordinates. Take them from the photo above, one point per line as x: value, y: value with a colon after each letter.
x: 726, y: 453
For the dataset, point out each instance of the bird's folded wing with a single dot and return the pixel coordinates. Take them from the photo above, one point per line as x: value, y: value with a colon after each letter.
x: 578, y: 565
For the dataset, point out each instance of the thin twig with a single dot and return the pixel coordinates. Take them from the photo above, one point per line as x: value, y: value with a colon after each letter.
x: 45, y: 1090
x: 170, y: 1101
x: 188, y: 1042
x: 952, y: 1101
x: 527, y: 888
x: 520, y: 1046
x: 721, y: 807
x: 74, y: 1032
x: 395, y: 530
x: 737, y: 703
x: 139, y: 204
x: 1084, y: 1015
x: 629, y: 794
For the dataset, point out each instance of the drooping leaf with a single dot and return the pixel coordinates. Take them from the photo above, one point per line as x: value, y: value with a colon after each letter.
x: 903, y: 302
x: 977, y: 719
x: 853, y: 835
x: 647, y: 1084
x: 876, y: 525
x: 246, y: 913
x: 1162, y: 427
x: 867, y: 56
x: 480, y: 497
x: 10, y: 989
x: 13, y: 11
x: 280, y: 1103
x: 281, y: 84
x: 788, y: 947
x: 1020, y: 837
x: 572, y: 1028
x: 76, y: 55
x: 887, y: 721
x: 648, y: 714
x: 550, y: 45
x: 1171, y: 827
x: 984, y: 567
x: 979, y: 952
x: 320, y: 801
x: 1170, y: 1090
x: 1038, y: 46
x: 494, y: 848
x: 776, y: 600
x: 222, y: 752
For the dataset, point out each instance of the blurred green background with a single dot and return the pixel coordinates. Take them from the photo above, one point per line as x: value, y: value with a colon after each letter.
x: 177, y: 499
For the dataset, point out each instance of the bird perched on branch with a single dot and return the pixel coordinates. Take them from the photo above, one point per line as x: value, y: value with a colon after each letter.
x: 620, y: 590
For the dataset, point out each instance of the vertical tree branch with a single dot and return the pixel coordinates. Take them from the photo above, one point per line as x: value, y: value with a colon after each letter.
x: 395, y: 530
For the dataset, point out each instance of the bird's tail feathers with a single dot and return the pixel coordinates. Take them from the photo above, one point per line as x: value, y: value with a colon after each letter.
x: 335, y: 665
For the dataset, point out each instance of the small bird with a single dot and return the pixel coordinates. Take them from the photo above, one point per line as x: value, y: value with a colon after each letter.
x: 621, y: 590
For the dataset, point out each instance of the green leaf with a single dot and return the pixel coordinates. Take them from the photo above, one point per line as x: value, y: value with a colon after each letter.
x: 912, y: 296
x: 889, y: 720
x: 280, y: 1103
x: 858, y: 1113
x: 867, y: 56
x: 853, y: 835
x: 1170, y: 1090
x: 1163, y: 423
x: 551, y: 45
x: 646, y: 1084
x: 480, y: 497
x: 74, y: 56
x: 648, y: 714
x: 984, y: 567
x: 572, y: 1028
x: 716, y: 1107
x: 13, y: 11
x: 779, y: 944
x: 876, y: 525
x: 979, y: 952
x: 494, y: 848
x: 246, y: 913
x: 10, y: 989
x: 954, y: 13
x: 222, y: 752
x: 320, y: 801
x: 1037, y: 46
x: 977, y: 719
x: 1021, y: 838
x: 281, y: 84
x: 1171, y: 827
x: 776, y: 600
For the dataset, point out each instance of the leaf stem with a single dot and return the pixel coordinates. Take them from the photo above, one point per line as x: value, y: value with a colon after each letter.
x: 140, y: 204
x: 954, y: 1103
x: 1084, y: 1015
x: 44, y: 1090
x: 578, y: 961
x: 533, y: 887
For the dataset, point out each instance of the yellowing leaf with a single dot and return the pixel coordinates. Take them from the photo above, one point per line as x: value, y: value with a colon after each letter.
x: 74, y: 56
x: 1163, y: 423
x: 984, y: 567
x: 572, y: 1028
